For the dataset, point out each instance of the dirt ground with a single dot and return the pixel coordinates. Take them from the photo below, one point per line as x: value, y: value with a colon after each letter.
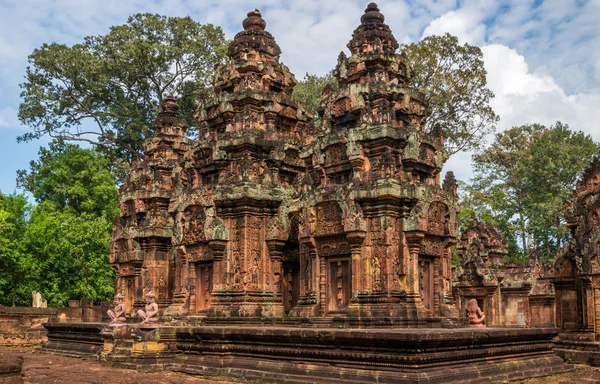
x: 45, y: 368
x: 52, y: 369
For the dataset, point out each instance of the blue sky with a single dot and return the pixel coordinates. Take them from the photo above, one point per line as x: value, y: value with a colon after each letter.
x: 542, y: 57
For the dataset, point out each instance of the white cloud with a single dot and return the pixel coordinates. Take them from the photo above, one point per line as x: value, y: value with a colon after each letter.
x: 524, y: 97
x: 464, y: 24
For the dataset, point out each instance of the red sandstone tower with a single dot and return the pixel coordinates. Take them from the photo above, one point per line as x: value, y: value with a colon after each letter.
x: 267, y: 217
x: 376, y: 225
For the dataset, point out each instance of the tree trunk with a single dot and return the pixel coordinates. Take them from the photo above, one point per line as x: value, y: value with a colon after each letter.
x: 523, y: 234
x: 557, y: 232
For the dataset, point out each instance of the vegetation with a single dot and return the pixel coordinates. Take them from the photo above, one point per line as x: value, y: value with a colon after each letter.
x: 17, y: 268
x: 522, y: 181
x: 107, y: 90
x: 453, y: 79
x: 309, y: 91
x: 61, y: 246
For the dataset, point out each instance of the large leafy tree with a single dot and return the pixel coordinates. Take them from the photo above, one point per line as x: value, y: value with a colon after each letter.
x: 18, y: 271
x: 453, y: 79
x: 525, y: 177
x: 107, y: 90
x: 489, y: 206
x: 72, y: 178
x: 309, y: 91
x: 71, y: 252
x: 68, y: 236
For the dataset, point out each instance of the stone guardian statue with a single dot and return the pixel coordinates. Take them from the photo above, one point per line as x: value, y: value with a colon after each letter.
x: 117, y: 315
x: 150, y: 315
x: 475, y: 314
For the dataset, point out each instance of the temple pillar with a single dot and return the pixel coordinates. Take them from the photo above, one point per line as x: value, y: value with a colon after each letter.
x: 587, y: 305
x: 181, y: 269
x: 192, y: 289
x: 436, y: 286
x: 414, y: 240
x: 322, y: 285
x: 275, y: 252
x: 356, y: 239
x: 217, y: 248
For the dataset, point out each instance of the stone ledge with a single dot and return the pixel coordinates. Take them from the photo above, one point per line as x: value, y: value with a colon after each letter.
x: 307, y: 355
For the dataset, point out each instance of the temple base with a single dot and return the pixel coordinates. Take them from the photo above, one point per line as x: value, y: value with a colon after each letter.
x: 74, y: 339
x: 578, y: 347
x: 332, y: 355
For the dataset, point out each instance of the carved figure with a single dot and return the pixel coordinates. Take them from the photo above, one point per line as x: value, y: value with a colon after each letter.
x: 475, y: 314
x: 117, y: 315
x: 36, y: 300
x: 255, y: 271
x: 150, y: 315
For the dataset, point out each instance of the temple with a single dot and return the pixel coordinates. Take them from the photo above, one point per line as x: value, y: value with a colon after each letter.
x: 279, y: 250
x: 267, y: 217
x: 576, y: 274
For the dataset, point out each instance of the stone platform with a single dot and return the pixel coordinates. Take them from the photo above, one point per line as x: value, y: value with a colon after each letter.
x: 578, y: 347
x: 74, y: 339
x: 325, y: 355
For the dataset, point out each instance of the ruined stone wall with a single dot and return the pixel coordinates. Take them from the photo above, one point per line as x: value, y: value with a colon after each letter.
x: 22, y: 326
x: 510, y: 294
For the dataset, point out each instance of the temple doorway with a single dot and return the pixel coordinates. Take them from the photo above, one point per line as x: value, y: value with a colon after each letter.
x: 339, y: 283
x: 290, y: 286
x: 426, y: 283
x: 204, y: 274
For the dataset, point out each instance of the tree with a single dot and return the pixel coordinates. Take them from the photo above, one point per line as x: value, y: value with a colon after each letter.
x: 453, y: 79
x: 17, y: 270
x: 310, y: 90
x: 527, y: 175
x: 72, y: 178
x: 107, y: 90
x: 489, y: 207
x: 72, y: 254
x: 68, y: 235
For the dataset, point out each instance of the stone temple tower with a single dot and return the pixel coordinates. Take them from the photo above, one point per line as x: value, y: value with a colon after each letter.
x: 251, y: 133
x: 268, y: 217
x: 376, y: 225
x: 141, y: 239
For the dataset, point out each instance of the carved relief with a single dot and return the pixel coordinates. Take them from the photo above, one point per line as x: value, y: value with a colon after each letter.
x: 327, y: 219
x: 437, y: 219
x: 193, y: 220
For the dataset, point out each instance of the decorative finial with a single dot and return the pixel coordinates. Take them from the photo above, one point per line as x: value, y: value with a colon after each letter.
x: 372, y: 15
x: 169, y: 104
x: 254, y: 21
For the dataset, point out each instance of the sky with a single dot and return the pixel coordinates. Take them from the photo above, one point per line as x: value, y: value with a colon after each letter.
x: 542, y: 57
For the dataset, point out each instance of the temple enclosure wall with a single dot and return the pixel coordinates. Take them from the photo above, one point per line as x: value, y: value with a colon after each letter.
x: 23, y: 326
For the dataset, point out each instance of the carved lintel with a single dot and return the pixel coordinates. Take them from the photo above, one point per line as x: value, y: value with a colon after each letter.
x: 414, y: 239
